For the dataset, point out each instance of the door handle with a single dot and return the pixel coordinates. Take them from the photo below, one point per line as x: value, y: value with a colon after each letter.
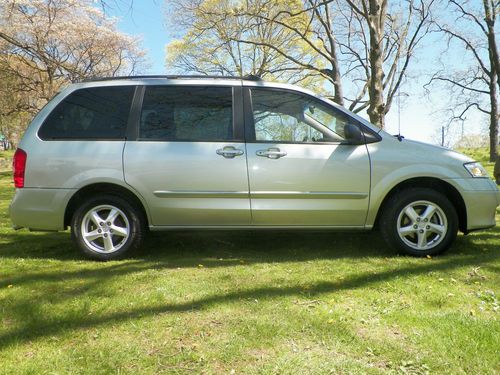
x: 229, y: 152
x: 271, y: 153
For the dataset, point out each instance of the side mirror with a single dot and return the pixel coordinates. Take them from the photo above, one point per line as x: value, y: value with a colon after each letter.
x: 353, y: 134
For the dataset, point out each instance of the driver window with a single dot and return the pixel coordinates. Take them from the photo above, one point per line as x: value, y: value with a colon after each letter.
x: 281, y: 116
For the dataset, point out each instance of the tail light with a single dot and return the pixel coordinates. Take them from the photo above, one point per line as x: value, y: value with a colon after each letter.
x: 19, y: 167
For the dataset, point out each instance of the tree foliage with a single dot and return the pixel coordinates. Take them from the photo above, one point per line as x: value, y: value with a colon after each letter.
x: 47, y: 43
x: 220, y: 41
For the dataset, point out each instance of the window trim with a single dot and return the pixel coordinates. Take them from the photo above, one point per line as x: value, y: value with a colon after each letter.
x: 135, y: 113
x: 237, y: 115
x: 250, y: 135
x: 94, y: 139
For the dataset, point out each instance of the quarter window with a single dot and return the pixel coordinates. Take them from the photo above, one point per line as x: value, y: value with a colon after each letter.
x: 183, y: 113
x: 95, y: 113
x: 281, y: 116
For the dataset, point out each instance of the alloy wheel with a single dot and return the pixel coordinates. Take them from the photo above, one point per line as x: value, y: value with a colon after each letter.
x: 105, y: 229
x: 422, y: 225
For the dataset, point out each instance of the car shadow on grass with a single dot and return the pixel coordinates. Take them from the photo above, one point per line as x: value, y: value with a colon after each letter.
x: 263, y: 246
x: 175, y: 249
x: 187, y: 248
x: 182, y: 249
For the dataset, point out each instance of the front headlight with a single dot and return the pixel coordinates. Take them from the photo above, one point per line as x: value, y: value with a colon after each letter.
x: 476, y: 169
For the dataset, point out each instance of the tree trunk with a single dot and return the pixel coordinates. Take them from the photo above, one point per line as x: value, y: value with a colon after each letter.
x: 376, y: 19
x: 490, y: 17
x: 493, y: 117
x: 336, y: 80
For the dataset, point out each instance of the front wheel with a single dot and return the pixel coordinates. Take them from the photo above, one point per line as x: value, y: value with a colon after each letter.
x: 419, y: 222
x: 106, y: 227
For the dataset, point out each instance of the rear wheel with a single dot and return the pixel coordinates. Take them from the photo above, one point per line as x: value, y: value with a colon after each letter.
x: 419, y: 222
x: 106, y: 227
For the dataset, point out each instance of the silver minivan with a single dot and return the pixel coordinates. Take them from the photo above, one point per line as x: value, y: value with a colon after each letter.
x: 112, y: 158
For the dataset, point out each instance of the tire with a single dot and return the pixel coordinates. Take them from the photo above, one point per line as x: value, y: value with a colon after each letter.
x: 107, y: 227
x: 419, y: 222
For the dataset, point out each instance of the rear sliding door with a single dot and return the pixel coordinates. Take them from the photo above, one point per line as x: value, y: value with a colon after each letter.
x: 188, y: 160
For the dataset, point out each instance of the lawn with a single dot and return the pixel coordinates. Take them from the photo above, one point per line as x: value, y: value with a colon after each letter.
x: 247, y: 303
x: 6, y: 160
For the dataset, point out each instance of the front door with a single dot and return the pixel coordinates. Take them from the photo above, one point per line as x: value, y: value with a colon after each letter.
x: 301, y: 169
x: 188, y: 160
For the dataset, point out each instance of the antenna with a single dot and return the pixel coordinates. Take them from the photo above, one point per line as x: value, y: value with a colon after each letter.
x: 400, y: 137
x: 399, y: 103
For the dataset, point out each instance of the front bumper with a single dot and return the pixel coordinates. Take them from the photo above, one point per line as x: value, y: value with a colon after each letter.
x: 39, y: 209
x: 481, y: 197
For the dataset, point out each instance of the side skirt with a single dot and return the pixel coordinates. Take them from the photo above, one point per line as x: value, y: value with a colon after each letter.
x: 156, y: 228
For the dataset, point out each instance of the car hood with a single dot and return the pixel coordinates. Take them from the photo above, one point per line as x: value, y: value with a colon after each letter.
x: 435, y: 151
x: 409, y: 158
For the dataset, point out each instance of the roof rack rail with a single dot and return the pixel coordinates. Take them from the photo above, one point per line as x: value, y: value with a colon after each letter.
x: 249, y: 77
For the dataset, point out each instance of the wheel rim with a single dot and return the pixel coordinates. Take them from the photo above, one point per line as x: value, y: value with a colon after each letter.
x: 105, y: 229
x: 422, y: 225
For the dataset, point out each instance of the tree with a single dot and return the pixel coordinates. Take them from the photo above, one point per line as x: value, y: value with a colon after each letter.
x: 216, y: 43
x: 361, y: 48
x: 474, y: 83
x: 387, y: 37
x: 14, y: 107
x: 48, y: 43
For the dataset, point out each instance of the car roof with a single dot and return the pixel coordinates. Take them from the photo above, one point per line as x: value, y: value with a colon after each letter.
x: 247, y: 81
x: 249, y: 77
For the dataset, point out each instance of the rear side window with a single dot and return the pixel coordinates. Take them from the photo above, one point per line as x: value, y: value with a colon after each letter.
x: 92, y: 113
x: 187, y: 113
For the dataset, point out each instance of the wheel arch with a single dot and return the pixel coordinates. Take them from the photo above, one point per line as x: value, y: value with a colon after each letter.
x: 104, y: 188
x: 436, y: 184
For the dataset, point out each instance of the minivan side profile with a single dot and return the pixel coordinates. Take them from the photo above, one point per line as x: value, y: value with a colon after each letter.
x: 113, y: 158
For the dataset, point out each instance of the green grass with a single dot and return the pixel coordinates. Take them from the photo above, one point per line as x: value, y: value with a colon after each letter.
x: 252, y: 302
x: 6, y: 160
x: 6, y: 153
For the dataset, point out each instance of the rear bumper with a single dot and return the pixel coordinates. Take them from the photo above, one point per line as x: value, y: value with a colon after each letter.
x: 39, y: 209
